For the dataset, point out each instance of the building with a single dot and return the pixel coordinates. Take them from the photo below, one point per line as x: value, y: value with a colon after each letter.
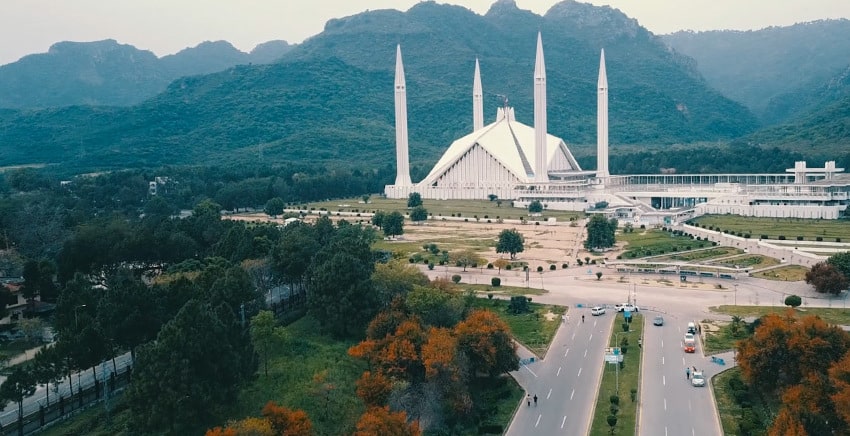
x: 525, y: 163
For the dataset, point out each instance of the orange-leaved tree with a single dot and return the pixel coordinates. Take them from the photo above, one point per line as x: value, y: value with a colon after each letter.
x: 374, y: 389
x: 379, y: 421
x: 287, y: 422
x: 439, y: 354
x: 251, y: 426
x: 839, y: 375
x: 486, y: 341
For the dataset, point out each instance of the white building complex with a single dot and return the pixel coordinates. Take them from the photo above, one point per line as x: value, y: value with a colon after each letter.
x: 522, y: 163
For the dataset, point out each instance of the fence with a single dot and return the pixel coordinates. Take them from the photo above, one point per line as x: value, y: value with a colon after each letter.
x: 63, y: 406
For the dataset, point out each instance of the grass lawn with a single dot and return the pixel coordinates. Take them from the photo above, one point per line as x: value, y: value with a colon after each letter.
x: 702, y: 254
x: 483, y: 290
x: 752, y: 261
x: 654, y: 242
x: 463, y: 208
x: 629, y: 377
x: 790, y: 228
x: 790, y: 273
x: 535, y: 329
x: 731, y: 413
x: 838, y: 316
x: 724, y: 338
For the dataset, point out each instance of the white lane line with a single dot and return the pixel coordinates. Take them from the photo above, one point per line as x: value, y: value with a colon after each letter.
x: 594, y: 323
x: 664, y: 380
x: 549, y: 394
x: 693, y: 432
x: 572, y: 393
x: 591, y: 337
x: 538, y: 421
x: 579, y: 373
x: 574, y: 335
x: 683, y: 362
x: 662, y: 343
x: 566, y: 352
x: 665, y: 431
x: 665, y: 404
x: 662, y: 360
x: 680, y: 329
x: 585, y: 353
x: 559, y: 372
x: 563, y: 421
x: 529, y: 370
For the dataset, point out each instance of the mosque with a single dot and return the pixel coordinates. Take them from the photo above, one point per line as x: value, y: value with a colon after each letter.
x: 523, y: 163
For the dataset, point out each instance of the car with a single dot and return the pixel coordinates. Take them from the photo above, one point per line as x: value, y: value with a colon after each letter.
x: 658, y: 320
x: 697, y: 379
x: 626, y: 306
x: 692, y: 328
x: 596, y: 311
x: 689, y: 337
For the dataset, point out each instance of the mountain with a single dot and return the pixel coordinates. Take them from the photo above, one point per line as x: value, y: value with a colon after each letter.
x: 109, y: 73
x: 807, y: 99
x: 330, y: 98
x: 758, y: 67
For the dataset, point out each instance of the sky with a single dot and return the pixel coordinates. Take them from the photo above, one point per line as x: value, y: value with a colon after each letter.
x: 168, y: 26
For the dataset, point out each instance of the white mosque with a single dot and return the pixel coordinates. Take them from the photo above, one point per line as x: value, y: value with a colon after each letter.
x: 522, y: 163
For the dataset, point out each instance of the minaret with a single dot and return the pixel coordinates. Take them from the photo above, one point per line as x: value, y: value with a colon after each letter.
x: 402, y: 177
x: 540, y: 158
x: 602, y: 122
x: 477, y: 100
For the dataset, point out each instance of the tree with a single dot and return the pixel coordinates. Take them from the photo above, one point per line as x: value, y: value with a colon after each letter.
x: 274, y: 207
x: 466, y: 258
x: 599, y: 275
x: 492, y: 197
x: 287, y: 422
x: 264, y: 336
x: 436, y: 307
x: 486, y: 341
x: 793, y: 301
x: 374, y: 389
x: 365, y: 198
x: 841, y: 261
x: 612, y: 422
x: 510, y: 241
x: 418, y: 214
x: 414, y: 199
x: 378, y: 219
x: 292, y: 256
x: 396, y: 278
x: 250, y: 426
x: 535, y: 207
x: 19, y: 385
x: 379, y: 421
x: 500, y: 263
x: 600, y: 232
x: 393, y: 224
x: 826, y: 278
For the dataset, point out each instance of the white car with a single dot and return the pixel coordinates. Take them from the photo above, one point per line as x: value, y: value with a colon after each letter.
x: 697, y: 379
x: 689, y: 337
x: 596, y: 311
x: 626, y: 306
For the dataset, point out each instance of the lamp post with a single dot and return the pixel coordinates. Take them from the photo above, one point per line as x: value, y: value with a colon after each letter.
x: 736, y: 294
x: 76, y: 318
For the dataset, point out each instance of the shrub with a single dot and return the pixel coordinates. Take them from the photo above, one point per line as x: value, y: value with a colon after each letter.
x: 643, y: 226
x: 614, y: 399
x: 799, y: 238
x: 564, y: 265
x: 489, y: 266
x: 508, y: 267
x: 539, y: 269
x: 837, y: 239
x: 552, y: 267
x: 412, y: 260
x: 746, y: 236
x: 764, y: 237
x: 819, y: 239
x: 496, y: 282
x: 430, y: 265
x: 456, y: 278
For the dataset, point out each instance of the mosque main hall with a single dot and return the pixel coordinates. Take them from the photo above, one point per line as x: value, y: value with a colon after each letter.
x: 525, y: 163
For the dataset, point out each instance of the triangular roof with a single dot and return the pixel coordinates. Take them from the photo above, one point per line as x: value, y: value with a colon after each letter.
x: 508, y: 141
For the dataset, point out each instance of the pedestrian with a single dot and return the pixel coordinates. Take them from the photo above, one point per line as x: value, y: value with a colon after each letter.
x: 640, y: 343
x: 535, y: 399
x: 528, y: 398
x: 582, y: 318
x: 687, y: 373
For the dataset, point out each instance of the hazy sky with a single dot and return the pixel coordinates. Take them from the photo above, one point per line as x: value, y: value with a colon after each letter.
x: 167, y: 26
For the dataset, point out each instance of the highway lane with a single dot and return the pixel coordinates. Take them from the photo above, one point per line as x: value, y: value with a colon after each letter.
x: 670, y: 405
x: 566, y: 382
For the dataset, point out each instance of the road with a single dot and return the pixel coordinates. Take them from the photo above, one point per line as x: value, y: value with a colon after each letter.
x: 566, y: 381
x: 9, y: 413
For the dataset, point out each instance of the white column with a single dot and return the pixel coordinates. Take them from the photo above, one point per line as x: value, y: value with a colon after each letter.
x: 402, y: 177
x: 540, y: 154
x: 477, y: 100
x: 602, y: 122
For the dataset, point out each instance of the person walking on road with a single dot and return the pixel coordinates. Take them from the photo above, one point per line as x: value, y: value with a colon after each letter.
x: 687, y: 373
x: 582, y: 318
x: 640, y: 343
x: 535, y: 399
x: 528, y: 399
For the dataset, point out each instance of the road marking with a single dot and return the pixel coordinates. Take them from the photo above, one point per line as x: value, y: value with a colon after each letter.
x: 572, y: 393
x: 665, y: 431
x: 693, y: 432
x: 529, y: 370
x: 662, y: 360
x: 664, y: 380
x: 559, y: 372
x: 683, y: 361
x: 574, y: 335
x: 550, y: 393
x: 591, y: 337
x: 579, y: 373
x: 567, y: 352
x: 665, y: 404
x: 662, y: 343
x: 563, y: 421
x: 538, y: 421
x: 585, y: 353
x: 680, y: 329
x: 594, y: 323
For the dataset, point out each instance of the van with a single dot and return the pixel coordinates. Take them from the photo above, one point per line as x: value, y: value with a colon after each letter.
x: 692, y: 328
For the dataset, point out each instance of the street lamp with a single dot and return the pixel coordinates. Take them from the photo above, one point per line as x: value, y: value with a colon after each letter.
x: 736, y: 294
x: 76, y: 318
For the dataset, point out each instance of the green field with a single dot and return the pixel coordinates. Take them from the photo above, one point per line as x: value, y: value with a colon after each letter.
x: 629, y: 377
x: 702, y: 254
x: 790, y: 228
x: 790, y: 273
x: 752, y: 261
x: 535, y: 330
x: 838, y: 315
x: 642, y: 243
x: 483, y: 209
x: 725, y: 338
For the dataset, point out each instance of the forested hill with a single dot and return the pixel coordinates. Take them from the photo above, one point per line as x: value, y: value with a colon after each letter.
x: 768, y: 70
x: 330, y: 98
x: 108, y: 73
